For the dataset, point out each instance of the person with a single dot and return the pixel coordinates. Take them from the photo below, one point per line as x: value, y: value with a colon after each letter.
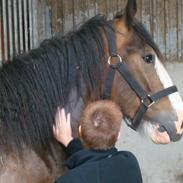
x: 94, y: 158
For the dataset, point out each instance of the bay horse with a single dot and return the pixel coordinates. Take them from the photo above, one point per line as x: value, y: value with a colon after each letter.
x: 71, y: 71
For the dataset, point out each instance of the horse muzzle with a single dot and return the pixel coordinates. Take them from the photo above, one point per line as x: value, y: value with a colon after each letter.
x: 169, y: 131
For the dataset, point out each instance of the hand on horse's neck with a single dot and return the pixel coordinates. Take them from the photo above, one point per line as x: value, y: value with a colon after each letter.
x: 75, y: 107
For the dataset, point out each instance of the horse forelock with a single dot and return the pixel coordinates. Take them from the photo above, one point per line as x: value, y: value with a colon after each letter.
x: 35, y: 84
x: 141, y: 32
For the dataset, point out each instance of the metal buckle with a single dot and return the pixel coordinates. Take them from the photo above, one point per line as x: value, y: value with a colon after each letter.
x: 147, y: 101
x: 112, y: 56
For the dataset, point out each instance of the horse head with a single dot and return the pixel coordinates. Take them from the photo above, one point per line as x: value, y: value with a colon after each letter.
x: 163, y: 119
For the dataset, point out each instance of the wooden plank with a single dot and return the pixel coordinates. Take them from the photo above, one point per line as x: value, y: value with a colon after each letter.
x: 30, y: 12
x: 179, y: 30
x: 5, y: 28
x: 15, y: 27
x: 139, y: 10
x: 84, y: 12
x: 25, y: 24
x: 106, y: 6
x: 96, y: 7
x: 53, y: 14
x: 62, y: 16
x: 181, y: 58
x: 102, y: 7
x: 112, y: 8
x: 20, y: 28
x: 91, y: 8
x: 146, y: 17
x: 124, y: 2
x: 88, y: 9
x: 68, y: 7
x: 118, y: 6
x: 43, y: 21
x: 1, y: 34
x: 167, y: 26
x: 78, y: 9
x: 57, y: 15
x: 109, y: 12
x: 73, y: 14
x: 47, y: 19
x: 171, y: 29
x: 10, y: 33
x: 35, y: 39
x: 158, y: 24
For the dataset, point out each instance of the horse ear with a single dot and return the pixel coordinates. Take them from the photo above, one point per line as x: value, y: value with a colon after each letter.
x: 131, y: 9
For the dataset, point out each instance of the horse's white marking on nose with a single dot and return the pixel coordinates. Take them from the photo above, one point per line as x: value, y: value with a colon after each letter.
x: 166, y: 81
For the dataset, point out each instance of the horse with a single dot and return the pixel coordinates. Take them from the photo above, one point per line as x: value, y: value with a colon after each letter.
x: 114, y: 59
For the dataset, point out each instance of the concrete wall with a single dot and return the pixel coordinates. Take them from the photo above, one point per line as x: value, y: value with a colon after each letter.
x: 159, y: 163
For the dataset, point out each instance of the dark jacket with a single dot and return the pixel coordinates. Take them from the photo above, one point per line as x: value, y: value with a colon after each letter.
x: 97, y: 166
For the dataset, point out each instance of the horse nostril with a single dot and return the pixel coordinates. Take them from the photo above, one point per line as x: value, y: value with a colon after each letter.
x: 162, y: 129
x: 182, y: 125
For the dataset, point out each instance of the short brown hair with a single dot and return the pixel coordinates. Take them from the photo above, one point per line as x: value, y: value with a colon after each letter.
x: 100, y: 124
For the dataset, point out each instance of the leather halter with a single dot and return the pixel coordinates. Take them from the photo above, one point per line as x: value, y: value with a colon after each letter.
x: 146, y: 99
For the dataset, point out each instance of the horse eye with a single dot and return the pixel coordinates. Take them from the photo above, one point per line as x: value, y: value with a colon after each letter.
x: 149, y: 58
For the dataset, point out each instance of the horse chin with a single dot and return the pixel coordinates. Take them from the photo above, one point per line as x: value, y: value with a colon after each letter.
x: 160, y: 137
x: 157, y: 136
x: 154, y: 131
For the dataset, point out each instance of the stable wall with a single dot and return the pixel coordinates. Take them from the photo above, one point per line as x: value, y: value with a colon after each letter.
x: 25, y: 23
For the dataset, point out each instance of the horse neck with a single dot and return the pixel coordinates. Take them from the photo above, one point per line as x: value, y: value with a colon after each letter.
x: 59, y: 73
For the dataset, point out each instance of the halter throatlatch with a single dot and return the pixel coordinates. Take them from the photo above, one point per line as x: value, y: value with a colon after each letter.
x: 146, y: 99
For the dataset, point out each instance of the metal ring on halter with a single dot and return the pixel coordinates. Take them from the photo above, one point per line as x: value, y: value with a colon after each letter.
x: 117, y: 55
x: 151, y: 102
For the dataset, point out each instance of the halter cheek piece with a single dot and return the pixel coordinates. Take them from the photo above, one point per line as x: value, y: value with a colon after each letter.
x: 146, y: 99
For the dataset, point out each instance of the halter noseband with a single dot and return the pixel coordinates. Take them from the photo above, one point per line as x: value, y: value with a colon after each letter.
x: 146, y: 99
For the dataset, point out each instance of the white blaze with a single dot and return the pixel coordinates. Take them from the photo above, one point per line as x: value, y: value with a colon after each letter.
x: 166, y: 81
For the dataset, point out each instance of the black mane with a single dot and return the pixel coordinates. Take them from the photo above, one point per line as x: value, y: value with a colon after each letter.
x: 35, y: 84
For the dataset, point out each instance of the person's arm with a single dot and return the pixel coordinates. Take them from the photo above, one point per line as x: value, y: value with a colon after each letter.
x: 63, y: 132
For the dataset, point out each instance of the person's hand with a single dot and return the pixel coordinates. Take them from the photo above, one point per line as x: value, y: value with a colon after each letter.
x: 62, y: 127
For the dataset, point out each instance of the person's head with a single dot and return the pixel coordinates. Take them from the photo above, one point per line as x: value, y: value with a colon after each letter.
x: 100, y: 124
